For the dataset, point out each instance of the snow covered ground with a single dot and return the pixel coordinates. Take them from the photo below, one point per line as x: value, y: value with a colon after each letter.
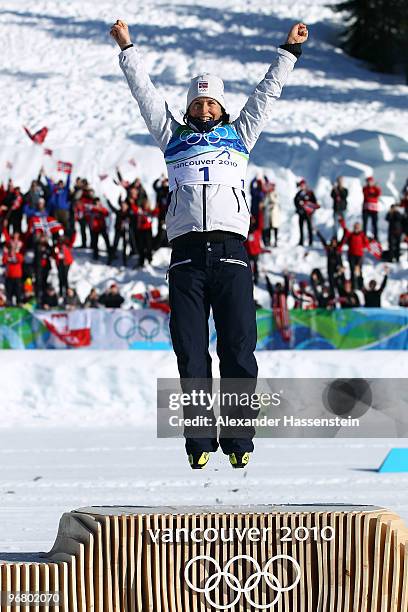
x: 78, y: 428
x: 46, y: 472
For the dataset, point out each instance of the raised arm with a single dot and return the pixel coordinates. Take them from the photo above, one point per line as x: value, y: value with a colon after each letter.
x: 153, y: 107
x: 384, y: 281
x: 322, y: 239
x: 270, y: 287
x: 259, y: 107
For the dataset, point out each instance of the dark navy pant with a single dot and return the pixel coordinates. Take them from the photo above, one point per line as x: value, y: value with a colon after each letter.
x: 217, y: 276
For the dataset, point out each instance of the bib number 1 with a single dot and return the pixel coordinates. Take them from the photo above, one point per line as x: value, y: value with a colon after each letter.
x: 206, y: 173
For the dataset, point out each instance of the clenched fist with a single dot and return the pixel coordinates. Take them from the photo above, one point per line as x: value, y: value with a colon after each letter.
x: 297, y: 34
x: 120, y: 32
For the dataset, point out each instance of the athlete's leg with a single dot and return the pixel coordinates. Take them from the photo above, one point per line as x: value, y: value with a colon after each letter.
x: 235, y: 321
x: 190, y: 309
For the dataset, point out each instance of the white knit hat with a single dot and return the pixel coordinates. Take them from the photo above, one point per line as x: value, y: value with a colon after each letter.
x: 206, y: 86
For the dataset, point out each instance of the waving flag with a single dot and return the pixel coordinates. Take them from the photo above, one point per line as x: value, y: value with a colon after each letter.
x: 72, y: 328
x: 64, y: 167
x: 375, y: 249
x: 46, y: 225
x: 39, y: 136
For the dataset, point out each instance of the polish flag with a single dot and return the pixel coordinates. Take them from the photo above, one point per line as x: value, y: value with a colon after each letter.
x: 73, y: 328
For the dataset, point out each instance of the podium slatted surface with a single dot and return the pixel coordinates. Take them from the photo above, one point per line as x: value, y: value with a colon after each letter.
x: 204, y: 559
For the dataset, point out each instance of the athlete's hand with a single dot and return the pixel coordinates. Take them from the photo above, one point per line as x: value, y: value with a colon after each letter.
x: 120, y: 32
x: 297, y: 34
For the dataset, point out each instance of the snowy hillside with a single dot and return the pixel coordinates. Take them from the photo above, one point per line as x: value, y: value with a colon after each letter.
x: 335, y: 116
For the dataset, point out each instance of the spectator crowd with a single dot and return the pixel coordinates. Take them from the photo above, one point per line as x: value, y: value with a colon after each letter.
x: 40, y: 227
x: 342, y: 285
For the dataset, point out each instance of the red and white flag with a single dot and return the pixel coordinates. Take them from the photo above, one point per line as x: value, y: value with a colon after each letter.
x: 310, y: 207
x: 37, y: 137
x: 45, y: 225
x: 64, y: 167
x: 375, y: 249
x: 281, y: 316
x: 73, y: 328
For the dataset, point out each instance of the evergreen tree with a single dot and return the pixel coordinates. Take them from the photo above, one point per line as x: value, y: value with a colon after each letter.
x: 377, y: 32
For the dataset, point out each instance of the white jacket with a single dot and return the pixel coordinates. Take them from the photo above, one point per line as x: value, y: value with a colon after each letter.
x: 213, y: 206
x: 271, y: 210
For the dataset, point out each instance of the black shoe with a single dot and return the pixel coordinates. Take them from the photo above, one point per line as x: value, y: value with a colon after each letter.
x: 198, y: 461
x: 239, y: 460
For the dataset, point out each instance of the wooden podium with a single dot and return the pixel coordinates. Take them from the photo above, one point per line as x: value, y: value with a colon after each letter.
x: 204, y: 559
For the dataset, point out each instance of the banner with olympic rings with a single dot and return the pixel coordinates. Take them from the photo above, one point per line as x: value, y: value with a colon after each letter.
x: 148, y: 329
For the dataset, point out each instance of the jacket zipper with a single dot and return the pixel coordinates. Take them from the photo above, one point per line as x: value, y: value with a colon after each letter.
x: 204, y: 207
x: 237, y: 199
x: 245, y: 200
x: 175, y: 206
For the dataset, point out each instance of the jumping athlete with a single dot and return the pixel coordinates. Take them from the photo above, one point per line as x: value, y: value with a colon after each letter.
x: 207, y: 221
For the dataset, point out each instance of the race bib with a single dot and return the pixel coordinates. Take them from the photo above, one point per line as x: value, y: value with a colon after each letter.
x: 216, y: 157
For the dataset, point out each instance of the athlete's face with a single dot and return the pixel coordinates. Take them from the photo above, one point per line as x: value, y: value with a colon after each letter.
x: 206, y: 109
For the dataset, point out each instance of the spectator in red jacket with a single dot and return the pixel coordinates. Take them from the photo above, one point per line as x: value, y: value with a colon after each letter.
x: 13, y: 260
x: 15, y: 240
x: 371, y: 205
x: 97, y: 223
x: 62, y: 253
x: 83, y: 200
x: 144, y: 239
x: 254, y: 247
x: 357, y: 242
